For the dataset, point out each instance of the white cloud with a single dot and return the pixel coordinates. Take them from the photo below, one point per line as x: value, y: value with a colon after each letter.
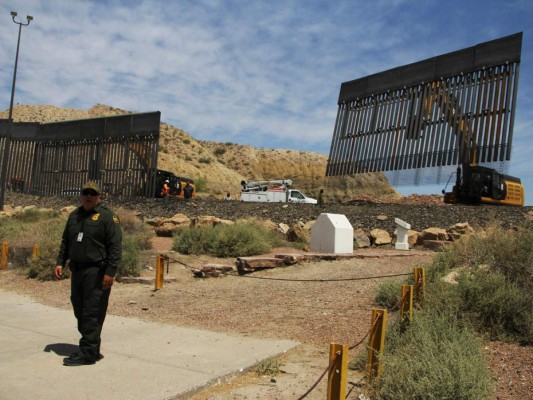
x: 256, y: 72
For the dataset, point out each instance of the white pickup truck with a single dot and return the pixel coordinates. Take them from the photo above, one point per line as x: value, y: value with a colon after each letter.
x: 277, y: 191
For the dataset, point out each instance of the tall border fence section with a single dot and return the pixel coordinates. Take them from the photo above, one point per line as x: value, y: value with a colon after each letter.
x: 118, y: 152
x: 447, y: 110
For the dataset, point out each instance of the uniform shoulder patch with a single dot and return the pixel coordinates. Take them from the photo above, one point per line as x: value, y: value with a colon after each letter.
x: 115, y: 219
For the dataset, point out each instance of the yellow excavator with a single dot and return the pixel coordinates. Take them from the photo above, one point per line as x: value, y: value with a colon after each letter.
x: 474, y: 184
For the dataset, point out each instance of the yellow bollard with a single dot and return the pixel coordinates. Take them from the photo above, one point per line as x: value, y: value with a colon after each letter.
x: 159, y: 272
x: 4, y: 258
x: 338, y: 371
x: 376, y: 343
x: 420, y: 285
x: 406, y: 308
x: 35, y: 251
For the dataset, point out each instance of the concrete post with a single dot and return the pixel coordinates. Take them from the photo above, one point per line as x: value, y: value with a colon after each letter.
x: 402, y: 237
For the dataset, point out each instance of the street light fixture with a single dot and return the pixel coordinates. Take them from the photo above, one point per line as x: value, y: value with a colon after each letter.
x: 7, y: 141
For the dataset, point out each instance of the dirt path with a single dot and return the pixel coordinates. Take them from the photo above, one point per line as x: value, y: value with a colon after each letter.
x: 314, y: 303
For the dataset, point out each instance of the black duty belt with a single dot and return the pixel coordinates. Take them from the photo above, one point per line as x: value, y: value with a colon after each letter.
x: 77, y: 265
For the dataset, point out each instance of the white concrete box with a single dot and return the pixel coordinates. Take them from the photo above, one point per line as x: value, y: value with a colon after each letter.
x: 332, y: 233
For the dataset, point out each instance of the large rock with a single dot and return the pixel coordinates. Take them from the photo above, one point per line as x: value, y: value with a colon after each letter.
x: 434, y: 234
x: 283, y: 228
x: 380, y: 237
x: 413, y: 238
x: 180, y: 220
x: 460, y: 229
x: 436, y: 245
x: 297, y: 233
x: 361, y: 238
x: 209, y: 220
x: 165, y: 230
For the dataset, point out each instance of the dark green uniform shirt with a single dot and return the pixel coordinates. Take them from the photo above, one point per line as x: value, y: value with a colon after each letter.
x: 92, y: 236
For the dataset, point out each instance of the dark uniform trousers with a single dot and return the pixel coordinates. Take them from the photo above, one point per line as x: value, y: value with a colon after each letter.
x: 90, y: 302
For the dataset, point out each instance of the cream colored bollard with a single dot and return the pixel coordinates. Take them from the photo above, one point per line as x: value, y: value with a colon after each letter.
x: 402, y: 237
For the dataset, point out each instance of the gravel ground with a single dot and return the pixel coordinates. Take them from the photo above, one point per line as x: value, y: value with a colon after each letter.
x: 361, y: 214
x: 314, y: 313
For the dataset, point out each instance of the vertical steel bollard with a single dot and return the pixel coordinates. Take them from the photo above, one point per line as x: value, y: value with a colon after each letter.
x: 3, y: 260
x: 159, y: 272
x: 338, y: 372
x: 406, y: 308
x: 420, y: 285
x: 35, y: 251
x: 376, y: 343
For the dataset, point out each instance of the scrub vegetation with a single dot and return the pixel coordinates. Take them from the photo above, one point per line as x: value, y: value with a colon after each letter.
x: 242, y: 239
x: 44, y: 229
x: 479, y: 288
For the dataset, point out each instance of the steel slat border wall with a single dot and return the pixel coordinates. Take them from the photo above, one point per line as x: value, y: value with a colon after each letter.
x: 462, y: 111
x: 55, y: 158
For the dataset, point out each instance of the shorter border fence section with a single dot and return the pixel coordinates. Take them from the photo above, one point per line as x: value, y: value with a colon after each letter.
x: 118, y: 152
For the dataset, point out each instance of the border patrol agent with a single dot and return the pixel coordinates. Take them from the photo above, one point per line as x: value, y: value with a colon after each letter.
x: 92, y: 244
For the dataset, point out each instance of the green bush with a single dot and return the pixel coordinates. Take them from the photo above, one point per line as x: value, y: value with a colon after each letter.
x: 433, y: 359
x: 389, y: 294
x: 493, y: 292
x: 135, y: 237
x: 239, y: 239
x: 506, y: 251
x: 498, y: 307
x: 47, y: 235
x: 193, y: 240
x: 219, y: 151
x: 200, y: 184
x: 244, y: 238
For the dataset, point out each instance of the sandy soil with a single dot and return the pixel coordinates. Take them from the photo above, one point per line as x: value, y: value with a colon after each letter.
x: 277, y: 304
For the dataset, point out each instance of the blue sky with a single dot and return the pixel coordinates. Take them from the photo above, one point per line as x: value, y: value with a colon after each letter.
x: 264, y: 73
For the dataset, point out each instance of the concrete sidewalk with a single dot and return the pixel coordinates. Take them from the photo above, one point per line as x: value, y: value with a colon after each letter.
x: 143, y: 360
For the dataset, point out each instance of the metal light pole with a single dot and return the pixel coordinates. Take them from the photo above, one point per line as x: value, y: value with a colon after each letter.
x: 7, y: 141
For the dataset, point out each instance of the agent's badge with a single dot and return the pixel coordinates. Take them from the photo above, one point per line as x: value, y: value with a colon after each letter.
x: 95, y: 217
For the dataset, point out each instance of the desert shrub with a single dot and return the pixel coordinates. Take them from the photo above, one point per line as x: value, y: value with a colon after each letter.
x: 47, y: 235
x: 268, y: 367
x: 219, y: 151
x: 135, y: 238
x: 204, y: 160
x: 192, y: 240
x: 244, y: 238
x: 506, y: 251
x: 493, y: 292
x: 130, y: 265
x: 498, y: 307
x: 134, y: 228
x: 389, y: 294
x: 12, y: 228
x: 433, y: 359
x: 239, y: 239
x: 200, y: 184
x: 186, y: 141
